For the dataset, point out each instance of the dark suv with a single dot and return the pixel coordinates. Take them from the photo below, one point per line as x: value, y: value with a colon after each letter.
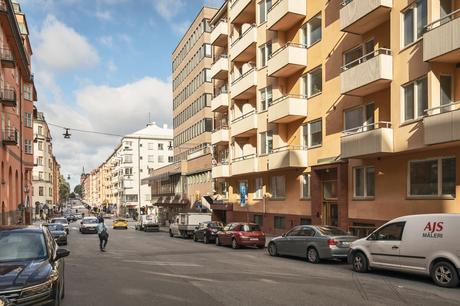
x: 207, y: 231
x: 31, y: 266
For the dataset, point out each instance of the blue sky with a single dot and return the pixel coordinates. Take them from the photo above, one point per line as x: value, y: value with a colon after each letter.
x: 104, y: 67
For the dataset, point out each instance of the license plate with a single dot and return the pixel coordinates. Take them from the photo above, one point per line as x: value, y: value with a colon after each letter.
x: 254, y: 239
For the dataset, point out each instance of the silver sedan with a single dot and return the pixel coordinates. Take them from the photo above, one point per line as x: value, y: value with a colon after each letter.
x: 313, y: 243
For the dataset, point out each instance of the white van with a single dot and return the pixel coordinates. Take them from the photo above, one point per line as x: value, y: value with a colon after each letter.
x: 423, y: 244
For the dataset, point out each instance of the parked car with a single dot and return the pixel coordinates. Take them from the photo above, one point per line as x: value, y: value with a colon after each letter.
x: 71, y: 218
x: 58, y: 232
x: 207, y: 231
x: 62, y: 221
x: 313, y: 243
x: 32, y: 266
x: 185, y: 224
x: 120, y: 224
x: 423, y: 244
x: 241, y: 235
x: 88, y: 225
x: 148, y: 223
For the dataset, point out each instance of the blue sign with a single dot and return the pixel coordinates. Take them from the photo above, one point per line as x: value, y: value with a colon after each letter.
x: 243, y: 193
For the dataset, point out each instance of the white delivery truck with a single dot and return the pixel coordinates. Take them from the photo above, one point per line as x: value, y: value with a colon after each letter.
x: 185, y: 223
x: 148, y: 223
x: 424, y: 244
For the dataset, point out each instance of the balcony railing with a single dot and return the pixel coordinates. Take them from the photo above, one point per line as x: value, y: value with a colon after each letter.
x: 289, y: 156
x: 219, y: 33
x: 8, y: 96
x: 284, y: 14
x: 367, y: 140
x: 235, y: 41
x: 443, y: 20
x: 237, y: 119
x: 368, y: 127
x: 6, y: 55
x: 10, y: 136
x: 361, y: 16
x: 365, y: 58
x: 287, y: 108
x: 244, y: 157
x: 442, y: 124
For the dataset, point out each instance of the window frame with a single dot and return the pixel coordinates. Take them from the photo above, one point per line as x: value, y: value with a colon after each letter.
x: 414, y: 83
x: 372, y: 236
x: 308, y: 125
x: 415, y: 13
x: 258, y: 187
x: 365, y: 195
x: 273, y: 188
x: 306, y: 83
x: 308, y: 185
x: 265, y: 52
x: 306, y: 31
x: 265, y: 8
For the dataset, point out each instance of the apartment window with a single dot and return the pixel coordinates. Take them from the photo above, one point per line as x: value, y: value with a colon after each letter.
x: 151, y: 158
x: 312, y: 32
x: 313, y: 134
x: 313, y: 82
x: 170, y: 159
x: 278, y: 187
x: 359, y: 118
x: 305, y: 186
x: 160, y: 146
x: 264, y: 7
x: 128, y: 159
x: 266, y: 98
x: 28, y: 120
x: 40, y: 145
x: 305, y: 221
x: 363, y: 182
x: 279, y: 222
x: 265, y: 53
x: 414, y: 21
x: 266, y: 142
x: 40, y: 130
x: 433, y: 177
x: 40, y: 161
x: 355, y: 56
x: 445, y: 82
x: 128, y: 171
x: 150, y: 146
x: 259, y: 185
x: 41, y: 191
x: 161, y: 159
x: 415, y: 99
x: 50, y: 191
x: 258, y: 219
x: 131, y: 198
x: 28, y: 146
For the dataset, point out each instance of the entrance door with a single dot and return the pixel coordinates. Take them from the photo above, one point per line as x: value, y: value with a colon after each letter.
x: 330, y: 213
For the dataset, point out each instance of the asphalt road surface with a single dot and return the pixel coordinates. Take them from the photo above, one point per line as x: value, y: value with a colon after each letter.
x: 153, y: 269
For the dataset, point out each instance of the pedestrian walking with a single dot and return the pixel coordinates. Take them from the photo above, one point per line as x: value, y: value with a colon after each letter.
x: 103, y: 234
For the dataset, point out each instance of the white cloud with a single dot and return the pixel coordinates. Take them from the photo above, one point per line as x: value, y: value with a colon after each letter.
x: 111, y: 67
x: 106, y: 41
x: 118, y: 110
x: 61, y: 48
x: 168, y: 8
x: 104, y: 15
x: 180, y: 27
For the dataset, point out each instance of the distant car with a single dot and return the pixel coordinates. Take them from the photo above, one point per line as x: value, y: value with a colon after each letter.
x: 88, y: 225
x: 241, y: 234
x: 313, y: 243
x: 62, y: 221
x: 58, y: 232
x: 120, y: 224
x: 207, y: 231
x: 148, y: 223
x: 32, y: 266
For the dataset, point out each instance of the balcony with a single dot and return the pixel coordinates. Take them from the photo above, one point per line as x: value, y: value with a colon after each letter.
x: 219, y: 34
x: 284, y: 14
x: 367, y: 74
x: 243, y: 48
x: 244, y: 165
x: 288, y: 157
x: 220, y: 102
x: 242, y: 11
x: 287, y: 109
x: 441, y: 41
x: 220, y: 136
x: 368, y: 140
x: 8, y: 97
x: 221, y: 170
x: 10, y: 136
x: 219, y: 69
x: 287, y: 60
x: 361, y: 16
x: 244, y: 87
x: 7, y: 57
x: 245, y: 125
x: 442, y: 124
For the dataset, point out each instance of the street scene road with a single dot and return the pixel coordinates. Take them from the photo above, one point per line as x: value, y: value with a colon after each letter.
x: 153, y: 269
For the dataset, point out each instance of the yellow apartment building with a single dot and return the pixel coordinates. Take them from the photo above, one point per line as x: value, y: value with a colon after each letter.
x: 335, y: 112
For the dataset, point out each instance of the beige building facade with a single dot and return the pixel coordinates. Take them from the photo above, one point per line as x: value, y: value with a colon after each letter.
x: 335, y: 112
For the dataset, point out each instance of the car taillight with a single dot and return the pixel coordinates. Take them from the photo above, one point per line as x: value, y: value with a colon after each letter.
x: 332, y: 242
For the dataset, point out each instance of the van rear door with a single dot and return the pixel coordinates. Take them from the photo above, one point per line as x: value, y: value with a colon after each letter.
x: 384, y: 245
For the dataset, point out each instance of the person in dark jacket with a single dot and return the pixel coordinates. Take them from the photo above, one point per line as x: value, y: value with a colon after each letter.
x: 102, y: 233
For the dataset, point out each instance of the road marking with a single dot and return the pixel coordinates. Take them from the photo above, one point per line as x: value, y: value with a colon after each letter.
x: 182, y: 276
x: 269, y: 281
x: 162, y: 263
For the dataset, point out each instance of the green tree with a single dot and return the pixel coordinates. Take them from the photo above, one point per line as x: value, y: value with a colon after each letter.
x: 64, y: 189
x: 78, y: 190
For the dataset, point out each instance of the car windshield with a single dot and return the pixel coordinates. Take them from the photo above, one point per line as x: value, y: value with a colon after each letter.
x: 331, y: 231
x: 90, y: 221
x: 56, y: 227
x: 62, y: 221
x: 18, y: 246
x: 215, y: 225
x: 250, y: 228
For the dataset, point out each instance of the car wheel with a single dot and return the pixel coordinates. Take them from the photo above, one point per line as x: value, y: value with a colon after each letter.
x: 312, y: 255
x: 272, y: 249
x: 444, y: 274
x: 63, y: 288
x: 217, y: 241
x: 359, y: 262
x: 170, y: 234
x: 205, y: 239
x: 235, y: 244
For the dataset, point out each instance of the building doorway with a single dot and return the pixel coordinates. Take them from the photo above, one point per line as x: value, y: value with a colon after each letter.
x: 3, y: 214
x: 330, y: 213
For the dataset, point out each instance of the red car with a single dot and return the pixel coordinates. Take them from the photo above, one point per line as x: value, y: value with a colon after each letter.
x: 241, y: 234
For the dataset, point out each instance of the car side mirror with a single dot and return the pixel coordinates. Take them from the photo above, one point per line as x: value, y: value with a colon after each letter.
x: 61, y: 253
x: 284, y: 235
